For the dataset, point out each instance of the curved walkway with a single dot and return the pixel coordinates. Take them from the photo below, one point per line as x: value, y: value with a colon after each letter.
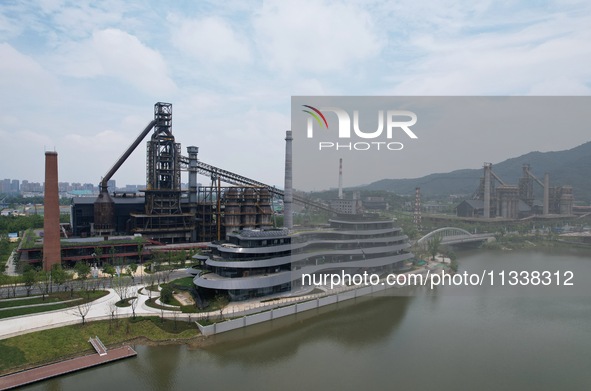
x: 100, y: 309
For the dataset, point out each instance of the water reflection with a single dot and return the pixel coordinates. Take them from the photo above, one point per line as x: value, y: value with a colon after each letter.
x: 158, y: 367
x: 353, y: 325
x: 482, y: 338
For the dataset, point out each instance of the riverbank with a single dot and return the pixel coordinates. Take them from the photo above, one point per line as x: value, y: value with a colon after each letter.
x: 519, y: 242
x: 46, y: 346
x: 32, y: 348
x: 369, y: 334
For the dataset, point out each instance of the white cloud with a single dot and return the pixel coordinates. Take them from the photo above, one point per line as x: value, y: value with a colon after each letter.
x: 22, y: 152
x: 71, y: 70
x: 8, y: 27
x: 210, y: 40
x: 118, y: 54
x: 23, y: 79
x: 250, y: 143
x: 534, y: 56
x: 313, y: 36
x: 476, y: 66
x: 98, y: 152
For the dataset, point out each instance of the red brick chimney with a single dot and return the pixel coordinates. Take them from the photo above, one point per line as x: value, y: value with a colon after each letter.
x: 51, y: 218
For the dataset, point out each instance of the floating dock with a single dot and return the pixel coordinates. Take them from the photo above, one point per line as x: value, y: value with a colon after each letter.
x: 68, y: 366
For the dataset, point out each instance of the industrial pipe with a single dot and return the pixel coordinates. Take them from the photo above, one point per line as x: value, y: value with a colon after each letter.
x: 123, y: 158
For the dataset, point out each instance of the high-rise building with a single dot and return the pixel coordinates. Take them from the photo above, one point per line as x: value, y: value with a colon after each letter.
x: 14, y: 186
x: 5, y: 186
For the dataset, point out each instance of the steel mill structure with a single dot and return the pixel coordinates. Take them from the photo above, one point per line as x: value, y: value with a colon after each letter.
x: 495, y: 198
x: 167, y: 214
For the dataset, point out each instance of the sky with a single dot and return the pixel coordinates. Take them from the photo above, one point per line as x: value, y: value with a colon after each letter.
x: 82, y: 77
x: 436, y: 132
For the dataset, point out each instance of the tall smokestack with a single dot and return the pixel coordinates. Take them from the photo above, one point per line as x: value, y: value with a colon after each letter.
x: 288, y: 191
x: 51, y: 219
x: 193, y: 162
x: 340, y: 178
x: 487, y: 168
x: 546, y: 206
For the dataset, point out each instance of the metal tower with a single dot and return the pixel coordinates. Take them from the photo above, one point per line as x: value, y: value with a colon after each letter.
x: 164, y: 219
x: 417, y: 212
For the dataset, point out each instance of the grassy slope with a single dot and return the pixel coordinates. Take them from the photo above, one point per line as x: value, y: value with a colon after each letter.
x: 50, y: 345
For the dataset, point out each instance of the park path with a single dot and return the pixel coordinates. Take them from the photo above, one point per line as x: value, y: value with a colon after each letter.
x: 100, y: 309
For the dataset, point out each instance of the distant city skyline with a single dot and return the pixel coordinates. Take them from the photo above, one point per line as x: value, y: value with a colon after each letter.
x: 18, y: 185
x: 82, y: 78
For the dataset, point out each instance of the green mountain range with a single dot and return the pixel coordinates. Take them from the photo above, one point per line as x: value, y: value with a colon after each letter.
x: 570, y: 167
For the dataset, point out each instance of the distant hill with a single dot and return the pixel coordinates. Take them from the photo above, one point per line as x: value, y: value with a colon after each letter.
x: 570, y: 167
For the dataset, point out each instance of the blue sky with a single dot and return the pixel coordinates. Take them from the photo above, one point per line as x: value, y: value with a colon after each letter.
x: 82, y: 77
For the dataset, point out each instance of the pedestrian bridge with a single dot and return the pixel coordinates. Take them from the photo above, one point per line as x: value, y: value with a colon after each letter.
x: 452, y: 235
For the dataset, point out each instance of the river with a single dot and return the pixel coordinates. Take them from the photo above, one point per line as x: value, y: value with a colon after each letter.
x: 451, y: 338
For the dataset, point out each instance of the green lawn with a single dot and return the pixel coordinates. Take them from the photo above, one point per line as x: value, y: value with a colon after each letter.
x: 152, y: 303
x: 185, y: 282
x: 50, y: 345
x: 85, y: 296
x: 125, y: 302
x: 33, y: 310
x: 9, y: 303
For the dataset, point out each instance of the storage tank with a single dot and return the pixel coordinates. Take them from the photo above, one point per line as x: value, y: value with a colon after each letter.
x: 232, y: 210
x: 264, y: 210
x: 248, y: 208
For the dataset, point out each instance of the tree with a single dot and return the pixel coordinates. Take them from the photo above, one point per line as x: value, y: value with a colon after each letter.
x: 109, y: 269
x: 454, y: 265
x: 131, y: 269
x: 181, y: 259
x: 58, y: 275
x: 175, y: 314
x: 112, y: 311
x: 172, y: 263
x: 433, y: 246
x: 159, y: 259
x: 221, y: 302
x: 98, y: 251
x: 151, y: 280
x: 166, y: 294
x: 82, y: 310
x: 82, y: 270
x: 43, y: 281
x: 29, y: 279
x: 13, y: 286
x: 94, y: 284
x: 121, y: 286
x: 134, y: 301
x: 140, y: 250
x: 157, y: 264
x: 4, y: 281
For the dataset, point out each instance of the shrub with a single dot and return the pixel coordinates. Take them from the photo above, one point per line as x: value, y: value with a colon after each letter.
x: 166, y: 294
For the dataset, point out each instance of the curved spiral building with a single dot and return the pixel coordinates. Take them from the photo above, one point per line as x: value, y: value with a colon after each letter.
x: 253, y: 263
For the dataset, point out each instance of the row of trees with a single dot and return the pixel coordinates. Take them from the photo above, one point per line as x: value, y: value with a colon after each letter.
x: 160, y: 269
x: 18, y: 199
x: 19, y: 223
x: 45, y: 280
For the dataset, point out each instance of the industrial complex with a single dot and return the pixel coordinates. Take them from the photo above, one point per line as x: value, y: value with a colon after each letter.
x: 115, y: 223
x: 495, y: 198
x: 242, y: 251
